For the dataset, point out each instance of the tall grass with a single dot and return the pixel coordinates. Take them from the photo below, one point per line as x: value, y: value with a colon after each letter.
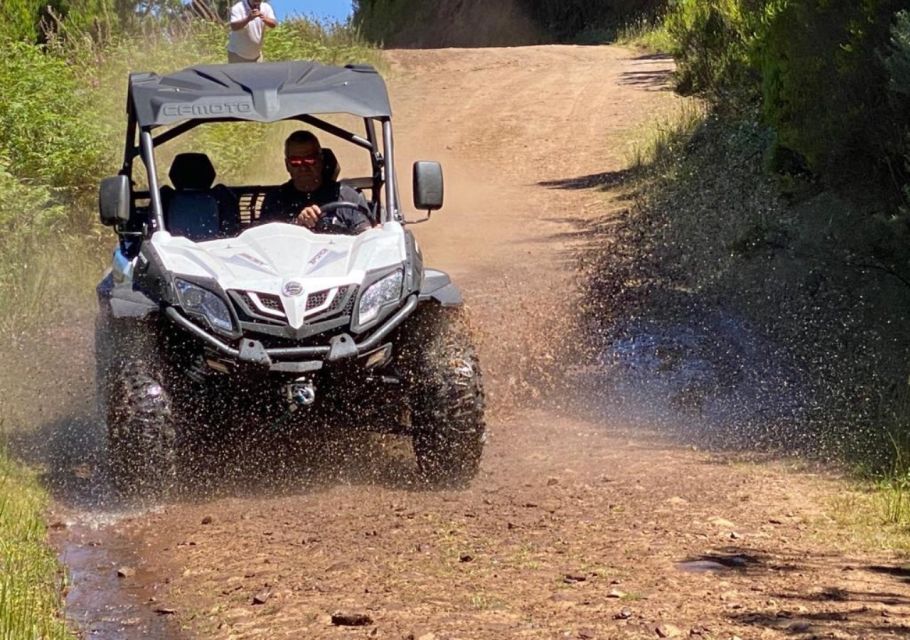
x: 30, y: 580
x: 661, y: 142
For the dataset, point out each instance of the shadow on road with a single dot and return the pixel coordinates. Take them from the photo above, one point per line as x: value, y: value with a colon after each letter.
x: 800, y: 605
x: 648, y: 80
x: 601, y: 181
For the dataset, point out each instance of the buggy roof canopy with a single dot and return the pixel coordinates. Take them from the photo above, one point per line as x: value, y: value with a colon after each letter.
x: 265, y: 92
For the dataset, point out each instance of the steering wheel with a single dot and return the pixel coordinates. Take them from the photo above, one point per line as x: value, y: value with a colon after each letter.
x: 329, y: 224
x: 343, y: 204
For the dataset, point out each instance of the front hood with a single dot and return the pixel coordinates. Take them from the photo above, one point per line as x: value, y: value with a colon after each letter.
x: 285, y: 260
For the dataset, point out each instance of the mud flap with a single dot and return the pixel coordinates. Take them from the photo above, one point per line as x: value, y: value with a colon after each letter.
x: 438, y: 286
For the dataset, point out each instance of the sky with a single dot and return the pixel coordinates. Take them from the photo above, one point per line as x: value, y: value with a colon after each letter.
x: 334, y: 9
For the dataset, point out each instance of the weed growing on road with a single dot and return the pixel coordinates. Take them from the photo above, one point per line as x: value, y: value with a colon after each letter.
x: 863, y: 511
x: 895, y: 498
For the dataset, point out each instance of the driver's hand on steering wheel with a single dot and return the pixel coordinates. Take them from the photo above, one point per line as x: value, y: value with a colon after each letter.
x: 309, y: 216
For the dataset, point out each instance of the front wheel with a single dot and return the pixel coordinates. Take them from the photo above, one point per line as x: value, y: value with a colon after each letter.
x: 446, y: 397
x: 141, y: 432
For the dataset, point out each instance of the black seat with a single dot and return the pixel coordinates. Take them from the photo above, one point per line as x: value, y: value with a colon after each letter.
x: 193, y: 209
x: 331, y: 171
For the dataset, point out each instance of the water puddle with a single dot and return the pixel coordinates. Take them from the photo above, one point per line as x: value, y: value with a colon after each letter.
x: 88, y: 533
x: 110, y: 597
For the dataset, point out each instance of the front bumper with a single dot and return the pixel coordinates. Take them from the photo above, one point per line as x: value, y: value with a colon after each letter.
x: 296, y: 359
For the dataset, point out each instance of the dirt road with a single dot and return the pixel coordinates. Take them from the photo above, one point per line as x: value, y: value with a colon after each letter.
x: 576, y: 527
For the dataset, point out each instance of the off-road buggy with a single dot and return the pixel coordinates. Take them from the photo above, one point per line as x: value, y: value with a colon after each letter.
x: 207, y: 314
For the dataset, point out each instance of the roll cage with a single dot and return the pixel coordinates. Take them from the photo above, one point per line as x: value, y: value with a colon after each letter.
x: 163, y: 108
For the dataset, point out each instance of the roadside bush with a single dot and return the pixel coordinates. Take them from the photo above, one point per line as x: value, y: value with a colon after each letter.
x: 330, y: 43
x: 898, y: 61
x: 898, y: 66
x: 826, y: 88
x: 380, y: 20
x: 21, y: 20
x: 649, y: 33
x: 18, y: 20
x: 717, y: 45
x: 25, y: 212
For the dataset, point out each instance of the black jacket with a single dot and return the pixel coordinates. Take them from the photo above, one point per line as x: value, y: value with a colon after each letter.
x: 285, y: 203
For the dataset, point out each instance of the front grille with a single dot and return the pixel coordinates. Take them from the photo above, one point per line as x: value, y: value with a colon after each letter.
x: 340, y: 298
x: 271, y: 302
x: 268, y: 308
x: 317, y: 299
x: 256, y: 307
x: 342, y: 304
x: 349, y: 307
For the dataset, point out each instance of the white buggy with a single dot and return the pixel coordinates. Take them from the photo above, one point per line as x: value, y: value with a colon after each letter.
x: 206, y: 314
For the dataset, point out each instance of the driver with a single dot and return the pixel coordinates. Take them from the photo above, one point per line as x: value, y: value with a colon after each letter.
x: 299, y: 200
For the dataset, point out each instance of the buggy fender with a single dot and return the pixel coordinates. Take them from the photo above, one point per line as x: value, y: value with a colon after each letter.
x: 123, y: 301
x: 437, y: 285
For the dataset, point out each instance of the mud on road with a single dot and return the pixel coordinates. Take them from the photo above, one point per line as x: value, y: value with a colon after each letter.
x: 578, y: 526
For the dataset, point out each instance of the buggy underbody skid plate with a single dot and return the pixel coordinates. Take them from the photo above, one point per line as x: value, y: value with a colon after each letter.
x: 254, y: 353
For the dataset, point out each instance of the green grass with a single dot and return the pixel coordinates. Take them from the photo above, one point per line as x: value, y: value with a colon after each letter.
x: 894, y: 498
x: 30, y: 579
x: 862, y: 513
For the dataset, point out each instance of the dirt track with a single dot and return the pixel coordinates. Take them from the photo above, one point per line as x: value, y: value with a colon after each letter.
x: 575, y: 527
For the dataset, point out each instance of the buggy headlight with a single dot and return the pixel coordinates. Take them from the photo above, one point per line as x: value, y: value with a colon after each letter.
x: 202, y: 302
x: 379, y: 294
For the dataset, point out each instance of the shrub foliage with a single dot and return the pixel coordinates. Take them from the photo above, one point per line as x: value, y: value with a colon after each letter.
x: 830, y: 75
x: 826, y: 88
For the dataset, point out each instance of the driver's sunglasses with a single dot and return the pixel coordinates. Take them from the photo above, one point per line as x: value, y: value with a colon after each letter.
x: 299, y: 161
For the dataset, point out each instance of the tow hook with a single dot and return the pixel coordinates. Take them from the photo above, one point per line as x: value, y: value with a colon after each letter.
x: 301, y: 393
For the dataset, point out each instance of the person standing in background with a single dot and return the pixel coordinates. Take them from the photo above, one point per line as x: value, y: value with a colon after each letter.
x: 249, y: 19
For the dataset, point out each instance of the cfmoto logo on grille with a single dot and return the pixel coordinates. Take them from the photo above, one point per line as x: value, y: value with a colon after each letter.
x: 292, y: 289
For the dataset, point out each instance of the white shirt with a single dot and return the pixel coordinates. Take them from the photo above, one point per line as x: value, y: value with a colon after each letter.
x: 247, y: 42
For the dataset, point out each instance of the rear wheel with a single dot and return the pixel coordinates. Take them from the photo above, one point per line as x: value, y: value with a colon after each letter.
x: 446, y: 397
x: 141, y: 432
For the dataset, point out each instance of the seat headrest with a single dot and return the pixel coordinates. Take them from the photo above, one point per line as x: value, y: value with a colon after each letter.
x: 331, y: 170
x: 192, y: 171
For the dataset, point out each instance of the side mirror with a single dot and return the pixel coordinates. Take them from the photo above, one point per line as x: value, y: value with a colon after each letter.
x: 428, y: 189
x: 114, y: 200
